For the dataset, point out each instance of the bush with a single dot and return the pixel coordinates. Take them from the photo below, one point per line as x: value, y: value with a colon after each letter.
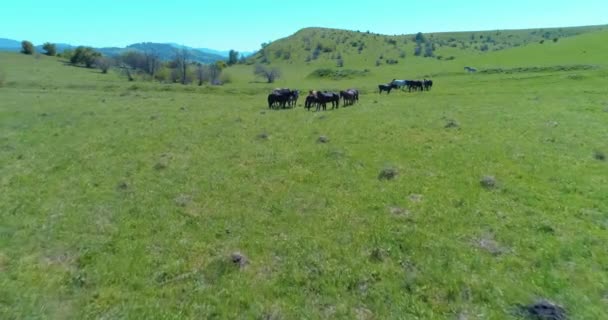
x: 27, y: 47
x: 85, y: 56
x: 50, y: 49
x: 103, y: 64
x: 338, y: 74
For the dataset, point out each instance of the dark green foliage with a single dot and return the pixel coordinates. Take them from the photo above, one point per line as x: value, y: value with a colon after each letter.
x: 428, y: 49
x: 419, y: 38
x: 327, y: 73
x: 233, y: 57
x: 84, y: 56
x: 50, y: 49
x: 27, y: 47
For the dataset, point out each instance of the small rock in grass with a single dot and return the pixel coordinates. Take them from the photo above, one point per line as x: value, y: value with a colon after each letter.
x: 415, y: 197
x: 488, y: 182
x: 323, y: 139
x: 451, y: 124
x: 598, y: 155
x: 263, y: 136
x: 398, y: 211
x: 161, y: 165
x: 388, y: 174
x: 545, y: 310
x: 183, y: 200
x: 377, y: 255
x: 239, y: 259
x: 490, y: 245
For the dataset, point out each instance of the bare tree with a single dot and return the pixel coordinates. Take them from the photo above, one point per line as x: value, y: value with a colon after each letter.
x: 270, y: 74
x: 103, y: 63
x: 181, y: 61
x: 152, y: 61
x: 215, y: 71
x: 201, y: 73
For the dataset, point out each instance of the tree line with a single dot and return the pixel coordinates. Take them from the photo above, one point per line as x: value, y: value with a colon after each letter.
x: 148, y: 65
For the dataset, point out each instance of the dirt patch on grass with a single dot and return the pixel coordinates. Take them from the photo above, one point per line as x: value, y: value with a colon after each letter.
x: 489, y: 244
x: 183, y: 200
x: 323, y: 139
x: 416, y: 198
x: 388, y: 173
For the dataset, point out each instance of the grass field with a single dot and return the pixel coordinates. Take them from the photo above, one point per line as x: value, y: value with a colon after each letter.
x: 128, y: 200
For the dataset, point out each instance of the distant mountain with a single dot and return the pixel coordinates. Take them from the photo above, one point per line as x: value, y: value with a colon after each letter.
x: 9, y: 45
x: 166, y: 51
x: 224, y: 53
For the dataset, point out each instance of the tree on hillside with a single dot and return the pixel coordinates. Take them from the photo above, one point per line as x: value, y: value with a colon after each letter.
x: 152, y: 61
x: 103, y: 63
x: 201, y: 73
x: 233, y: 57
x: 419, y: 38
x: 85, y: 56
x: 134, y: 59
x: 417, y: 50
x: 181, y: 63
x: 27, y: 47
x: 50, y: 49
x: 268, y: 73
x: 215, y: 71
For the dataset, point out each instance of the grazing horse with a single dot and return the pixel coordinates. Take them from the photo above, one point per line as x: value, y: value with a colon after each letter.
x: 348, y: 97
x: 293, y: 98
x: 327, y: 97
x: 277, y: 99
x: 414, y: 85
x: 355, y: 93
x: 428, y: 84
x: 399, y: 84
x: 386, y: 87
x: 282, y: 97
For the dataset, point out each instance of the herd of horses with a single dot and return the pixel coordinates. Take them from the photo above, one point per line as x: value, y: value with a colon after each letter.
x: 410, y: 85
x: 282, y: 98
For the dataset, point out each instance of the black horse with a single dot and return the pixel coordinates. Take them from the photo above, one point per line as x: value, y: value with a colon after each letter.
x: 428, y: 84
x: 327, y: 97
x: 350, y: 96
x: 386, y: 87
x: 414, y: 85
x: 282, y: 98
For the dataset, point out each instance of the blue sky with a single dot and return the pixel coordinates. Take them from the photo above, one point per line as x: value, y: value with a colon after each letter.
x: 244, y: 25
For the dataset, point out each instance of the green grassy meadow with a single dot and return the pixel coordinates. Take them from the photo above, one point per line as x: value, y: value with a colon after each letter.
x: 126, y: 200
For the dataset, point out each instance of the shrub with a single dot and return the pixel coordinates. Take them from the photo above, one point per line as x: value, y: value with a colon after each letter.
x: 27, y: 47
x: 103, y: 64
x: 85, y: 55
x: 50, y: 49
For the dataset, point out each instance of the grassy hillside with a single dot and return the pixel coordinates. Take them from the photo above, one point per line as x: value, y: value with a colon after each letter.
x: 129, y: 200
